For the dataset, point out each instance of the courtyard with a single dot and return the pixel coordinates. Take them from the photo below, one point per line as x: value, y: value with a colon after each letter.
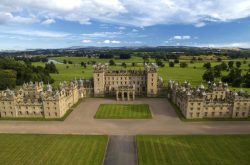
x: 164, y: 121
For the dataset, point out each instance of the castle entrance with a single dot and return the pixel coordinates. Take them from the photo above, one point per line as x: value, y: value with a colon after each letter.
x: 125, y: 93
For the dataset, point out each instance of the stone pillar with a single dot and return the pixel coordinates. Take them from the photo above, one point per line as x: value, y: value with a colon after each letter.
x: 117, y: 95
x: 128, y: 95
x: 133, y: 95
x: 122, y: 96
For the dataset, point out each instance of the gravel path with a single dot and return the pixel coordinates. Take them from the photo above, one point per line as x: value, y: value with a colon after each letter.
x: 121, y: 150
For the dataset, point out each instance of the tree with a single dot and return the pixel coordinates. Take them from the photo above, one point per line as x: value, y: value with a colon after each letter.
x: 125, y: 56
x: 207, y: 65
x: 171, y: 64
x: 160, y: 63
x: 223, y: 66
x: 238, y: 64
x: 51, y: 68
x: 111, y: 62
x: 70, y: 62
x: 219, y: 59
x: 146, y: 58
x: 230, y: 64
x: 183, y: 65
x: 208, y: 75
x: 83, y: 64
x: 247, y: 80
x: 134, y: 64
x: 65, y: 61
x: 124, y: 64
x: 176, y: 61
x: 8, y: 79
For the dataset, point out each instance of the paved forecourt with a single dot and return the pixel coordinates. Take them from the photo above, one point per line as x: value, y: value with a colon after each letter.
x: 164, y: 121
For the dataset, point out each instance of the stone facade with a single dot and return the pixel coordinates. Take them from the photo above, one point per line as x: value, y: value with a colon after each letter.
x: 216, y: 101
x: 32, y: 100
x: 126, y: 83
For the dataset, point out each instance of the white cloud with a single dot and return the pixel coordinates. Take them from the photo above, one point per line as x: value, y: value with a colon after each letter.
x: 48, y: 21
x: 37, y: 33
x: 102, y: 34
x: 86, y: 41
x: 7, y: 17
x: 134, y: 30
x: 229, y: 45
x: 111, y: 42
x: 121, y: 28
x: 127, y: 12
x: 185, y: 37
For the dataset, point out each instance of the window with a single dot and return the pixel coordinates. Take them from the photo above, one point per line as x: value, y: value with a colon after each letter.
x: 212, y: 113
x: 198, y: 114
x: 205, y: 114
x: 220, y: 113
x: 55, y: 113
x: 243, y: 113
x: 152, y: 84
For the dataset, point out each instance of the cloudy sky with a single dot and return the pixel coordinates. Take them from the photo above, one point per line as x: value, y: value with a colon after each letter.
x: 64, y: 23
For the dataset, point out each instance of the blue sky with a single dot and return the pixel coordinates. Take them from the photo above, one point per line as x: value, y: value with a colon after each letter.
x: 31, y: 24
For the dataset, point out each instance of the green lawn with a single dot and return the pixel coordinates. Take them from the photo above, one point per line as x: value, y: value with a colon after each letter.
x: 52, y: 149
x: 123, y: 111
x: 193, y: 150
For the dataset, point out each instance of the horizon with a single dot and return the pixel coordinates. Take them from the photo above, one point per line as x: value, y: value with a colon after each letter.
x: 60, y: 24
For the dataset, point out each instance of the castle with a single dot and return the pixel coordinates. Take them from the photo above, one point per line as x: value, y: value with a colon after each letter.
x: 126, y: 84
x: 39, y: 101
x: 32, y: 100
x: 216, y: 101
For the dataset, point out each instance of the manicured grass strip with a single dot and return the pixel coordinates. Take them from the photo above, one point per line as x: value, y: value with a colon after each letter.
x: 123, y: 111
x: 193, y: 149
x: 52, y: 149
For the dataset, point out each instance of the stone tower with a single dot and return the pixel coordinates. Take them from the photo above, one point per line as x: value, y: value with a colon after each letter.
x: 99, y: 81
x: 152, y: 78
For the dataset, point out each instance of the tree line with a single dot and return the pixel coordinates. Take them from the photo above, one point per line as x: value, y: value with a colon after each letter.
x: 14, y: 73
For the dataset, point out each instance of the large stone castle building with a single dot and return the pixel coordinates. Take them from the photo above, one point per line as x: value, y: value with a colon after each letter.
x: 216, y: 101
x: 126, y: 84
x: 32, y: 100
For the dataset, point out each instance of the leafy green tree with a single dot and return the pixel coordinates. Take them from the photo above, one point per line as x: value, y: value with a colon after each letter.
x: 8, y: 79
x: 183, y: 65
x: 124, y: 64
x: 238, y: 64
x: 208, y: 75
x: 230, y: 64
x: 171, y: 64
x: 111, y: 62
x: 207, y: 65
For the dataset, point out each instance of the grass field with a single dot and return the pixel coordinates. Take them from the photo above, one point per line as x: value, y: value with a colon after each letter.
x: 78, y: 60
x: 123, y: 111
x: 52, y: 149
x: 193, y: 73
x: 193, y: 150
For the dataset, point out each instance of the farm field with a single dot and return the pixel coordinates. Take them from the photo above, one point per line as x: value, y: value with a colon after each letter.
x: 78, y: 60
x: 193, y: 149
x: 52, y: 149
x: 123, y: 111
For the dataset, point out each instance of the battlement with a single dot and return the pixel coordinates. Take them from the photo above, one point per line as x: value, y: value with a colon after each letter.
x: 214, y: 101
